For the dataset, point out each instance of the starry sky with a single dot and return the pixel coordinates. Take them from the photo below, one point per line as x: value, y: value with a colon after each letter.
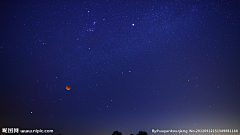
x: 132, y: 65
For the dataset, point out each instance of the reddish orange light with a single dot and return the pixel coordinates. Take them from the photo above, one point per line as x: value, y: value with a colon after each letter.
x: 68, y: 87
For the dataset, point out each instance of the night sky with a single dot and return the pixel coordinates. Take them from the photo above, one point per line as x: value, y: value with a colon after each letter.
x: 132, y: 65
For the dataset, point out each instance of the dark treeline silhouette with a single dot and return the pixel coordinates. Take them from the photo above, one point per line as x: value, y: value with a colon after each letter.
x: 117, y: 133
x: 140, y: 133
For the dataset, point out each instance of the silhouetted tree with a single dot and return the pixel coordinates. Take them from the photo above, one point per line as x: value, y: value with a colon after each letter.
x: 131, y: 134
x: 142, y: 133
x: 117, y: 133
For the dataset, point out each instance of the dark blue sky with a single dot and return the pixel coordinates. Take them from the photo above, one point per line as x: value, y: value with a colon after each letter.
x: 132, y: 65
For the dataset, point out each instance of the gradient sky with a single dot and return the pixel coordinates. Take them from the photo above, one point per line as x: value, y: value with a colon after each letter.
x: 132, y: 65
